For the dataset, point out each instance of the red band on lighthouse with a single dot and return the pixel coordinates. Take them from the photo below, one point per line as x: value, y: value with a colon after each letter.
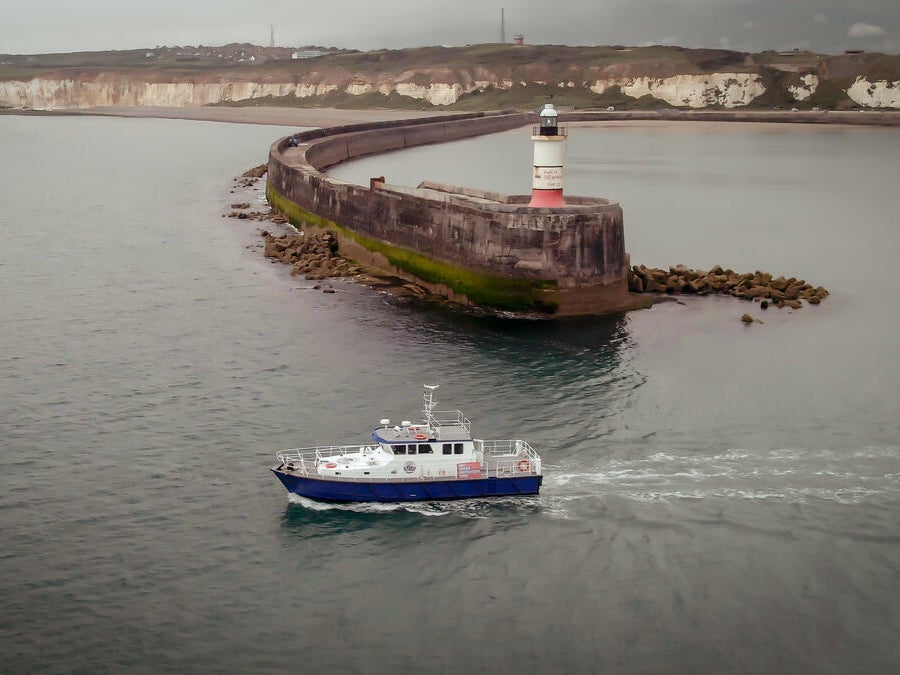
x: 544, y: 199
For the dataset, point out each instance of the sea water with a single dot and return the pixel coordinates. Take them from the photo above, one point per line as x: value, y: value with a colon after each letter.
x: 717, y: 497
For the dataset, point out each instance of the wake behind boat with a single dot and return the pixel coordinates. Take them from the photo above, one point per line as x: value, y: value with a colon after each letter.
x: 436, y: 459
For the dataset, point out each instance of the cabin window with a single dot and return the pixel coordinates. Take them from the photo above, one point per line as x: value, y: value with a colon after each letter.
x: 425, y: 449
x: 457, y: 448
x: 411, y: 449
x: 399, y: 449
x: 448, y: 448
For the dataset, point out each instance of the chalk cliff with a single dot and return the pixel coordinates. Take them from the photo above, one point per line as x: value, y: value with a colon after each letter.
x: 695, y: 91
x: 728, y: 90
x: 878, y: 94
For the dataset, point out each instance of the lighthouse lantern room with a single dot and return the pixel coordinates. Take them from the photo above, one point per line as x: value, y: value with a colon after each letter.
x: 549, y: 150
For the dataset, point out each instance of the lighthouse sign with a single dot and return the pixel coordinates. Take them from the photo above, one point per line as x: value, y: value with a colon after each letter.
x: 548, y: 178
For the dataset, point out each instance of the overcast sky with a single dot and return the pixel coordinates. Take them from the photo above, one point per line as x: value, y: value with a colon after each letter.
x: 38, y: 26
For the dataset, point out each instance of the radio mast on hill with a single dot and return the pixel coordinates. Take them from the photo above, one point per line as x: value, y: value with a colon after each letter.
x: 271, y: 35
x: 502, y: 26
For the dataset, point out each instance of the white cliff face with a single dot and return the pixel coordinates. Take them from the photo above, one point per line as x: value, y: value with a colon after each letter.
x: 436, y: 93
x: 307, y: 90
x: 44, y: 94
x: 40, y: 94
x: 358, y: 88
x: 729, y: 90
x: 878, y: 94
x: 807, y: 87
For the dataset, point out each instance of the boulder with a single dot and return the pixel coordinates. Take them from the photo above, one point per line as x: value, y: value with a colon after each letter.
x: 636, y: 284
x: 654, y: 286
x: 641, y: 272
x: 697, y: 285
x: 674, y: 285
x: 716, y: 283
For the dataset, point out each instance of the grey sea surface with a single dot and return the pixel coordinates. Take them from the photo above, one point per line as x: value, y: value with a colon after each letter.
x: 718, y: 497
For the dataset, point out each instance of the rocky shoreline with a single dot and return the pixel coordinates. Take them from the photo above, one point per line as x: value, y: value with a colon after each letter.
x: 315, y: 256
x: 758, y: 286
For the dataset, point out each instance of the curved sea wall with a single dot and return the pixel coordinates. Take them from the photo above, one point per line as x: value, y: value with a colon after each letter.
x: 471, y: 246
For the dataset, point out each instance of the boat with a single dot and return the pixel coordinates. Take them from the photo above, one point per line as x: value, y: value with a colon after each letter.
x: 436, y: 459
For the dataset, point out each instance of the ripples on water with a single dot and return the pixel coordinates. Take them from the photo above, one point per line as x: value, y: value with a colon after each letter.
x: 716, y: 498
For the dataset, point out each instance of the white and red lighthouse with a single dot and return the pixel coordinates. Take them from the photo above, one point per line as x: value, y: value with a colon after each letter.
x: 549, y: 150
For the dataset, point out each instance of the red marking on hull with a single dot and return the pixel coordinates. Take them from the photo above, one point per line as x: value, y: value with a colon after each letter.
x: 546, y: 199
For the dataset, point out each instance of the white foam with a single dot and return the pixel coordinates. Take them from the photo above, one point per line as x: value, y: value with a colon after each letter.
x: 422, y: 508
x: 467, y: 508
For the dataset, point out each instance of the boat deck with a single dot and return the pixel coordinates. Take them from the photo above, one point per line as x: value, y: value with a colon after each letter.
x: 447, y: 425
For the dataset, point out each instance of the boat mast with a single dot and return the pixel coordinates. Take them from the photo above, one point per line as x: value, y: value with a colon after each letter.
x: 429, y: 403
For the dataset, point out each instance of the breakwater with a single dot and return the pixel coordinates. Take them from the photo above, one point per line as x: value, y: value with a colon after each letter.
x: 470, y: 246
x: 760, y: 286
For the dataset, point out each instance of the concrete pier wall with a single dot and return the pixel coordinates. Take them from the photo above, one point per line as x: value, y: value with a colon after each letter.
x: 469, y: 245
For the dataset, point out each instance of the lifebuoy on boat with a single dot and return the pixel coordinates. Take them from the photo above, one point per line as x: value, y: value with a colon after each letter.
x: 331, y: 465
x: 421, y: 437
x: 524, y: 465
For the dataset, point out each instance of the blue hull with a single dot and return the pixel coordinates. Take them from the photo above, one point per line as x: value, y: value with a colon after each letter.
x: 346, y: 491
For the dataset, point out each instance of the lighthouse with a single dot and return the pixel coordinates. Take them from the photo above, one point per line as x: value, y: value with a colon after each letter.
x: 549, y: 148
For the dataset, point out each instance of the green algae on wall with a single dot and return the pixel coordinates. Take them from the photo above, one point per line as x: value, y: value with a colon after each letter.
x: 516, y: 295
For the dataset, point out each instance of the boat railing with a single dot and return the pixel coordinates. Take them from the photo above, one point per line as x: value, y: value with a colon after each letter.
x: 502, y: 459
x: 448, y: 418
x: 515, y: 448
x: 306, y: 458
